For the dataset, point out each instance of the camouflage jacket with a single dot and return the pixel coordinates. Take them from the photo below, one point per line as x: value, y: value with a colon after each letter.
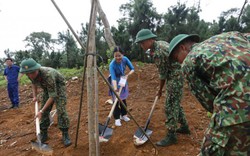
x: 167, y: 69
x: 218, y: 72
x: 51, y: 81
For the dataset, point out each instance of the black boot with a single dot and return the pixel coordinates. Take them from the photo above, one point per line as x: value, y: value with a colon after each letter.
x: 184, y: 129
x: 65, y: 137
x: 170, y: 139
x: 44, y: 135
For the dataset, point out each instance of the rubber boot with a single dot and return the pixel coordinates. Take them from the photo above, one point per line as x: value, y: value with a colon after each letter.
x: 170, y: 139
x: 65, y: 137
x: 184, y: 129
x: 44, y: 135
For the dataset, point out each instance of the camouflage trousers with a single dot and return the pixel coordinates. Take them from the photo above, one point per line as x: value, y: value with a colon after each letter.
x: 227, y: 141
x: 173, y: 109
x: 62, y: 116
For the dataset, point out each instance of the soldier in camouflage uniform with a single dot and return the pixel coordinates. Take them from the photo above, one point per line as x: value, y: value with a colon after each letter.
x: 169, y: 73
x: 54, y: 91
x: 218, y: 73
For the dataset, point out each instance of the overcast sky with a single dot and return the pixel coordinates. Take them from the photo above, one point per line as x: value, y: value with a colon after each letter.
x: 19, y: 18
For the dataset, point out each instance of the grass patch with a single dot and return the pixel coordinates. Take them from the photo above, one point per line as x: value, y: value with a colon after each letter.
x: 67, y: 73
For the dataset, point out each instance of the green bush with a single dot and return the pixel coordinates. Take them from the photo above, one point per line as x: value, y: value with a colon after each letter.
x: 3, y: 82
x: 140, y: 64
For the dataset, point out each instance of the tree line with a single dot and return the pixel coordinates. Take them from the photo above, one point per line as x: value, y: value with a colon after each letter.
x: 63, y: 52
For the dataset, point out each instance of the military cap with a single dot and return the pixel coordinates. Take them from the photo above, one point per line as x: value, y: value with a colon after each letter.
x: 177, y: 39
x: 144, y: 34
x: 29, y: 65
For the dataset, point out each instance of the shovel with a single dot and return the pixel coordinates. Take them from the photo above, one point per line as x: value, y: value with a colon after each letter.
x: 38, y: 145
x: 104, y: 131
x: 139, y: 137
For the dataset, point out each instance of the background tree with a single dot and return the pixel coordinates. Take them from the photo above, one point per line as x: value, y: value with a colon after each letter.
x: 245, y: 20
x: 21, y: 55
x: 122, y: 37
x: 70, y: 47
x: 54, y: 60
x: 101, y: 44
x: 139, y: 14
x: 38, y: 44
x: 8, y: 53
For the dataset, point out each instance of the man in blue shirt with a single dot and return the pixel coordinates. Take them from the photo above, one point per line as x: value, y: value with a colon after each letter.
x: 11, y: 73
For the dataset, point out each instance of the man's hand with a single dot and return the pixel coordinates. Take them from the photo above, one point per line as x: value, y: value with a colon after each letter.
x: 39, y: 115
x: 34, y: 99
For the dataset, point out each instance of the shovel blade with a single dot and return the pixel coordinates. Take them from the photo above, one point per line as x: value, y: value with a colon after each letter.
x: 140, y: 138
x: 139, y: 134
x: 105, y: 134
x: 42, y: 148
x: 140, y: 141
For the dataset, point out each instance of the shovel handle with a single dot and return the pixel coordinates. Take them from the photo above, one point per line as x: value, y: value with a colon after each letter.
x: 37, y: 119
x: 150, y: 114
x: 114, y: 104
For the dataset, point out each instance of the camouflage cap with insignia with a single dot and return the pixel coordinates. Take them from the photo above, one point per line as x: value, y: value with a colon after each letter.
x: 144, y: 34
x: 29, y: 65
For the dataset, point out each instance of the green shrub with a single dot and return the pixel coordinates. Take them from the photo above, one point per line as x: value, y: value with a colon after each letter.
x: 140, y: 64
x: 3, y: 82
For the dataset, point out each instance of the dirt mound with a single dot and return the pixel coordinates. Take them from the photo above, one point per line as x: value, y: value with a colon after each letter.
x: 17, y: 126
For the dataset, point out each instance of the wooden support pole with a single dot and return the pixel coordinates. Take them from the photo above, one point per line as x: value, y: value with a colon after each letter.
x: 92, y: 119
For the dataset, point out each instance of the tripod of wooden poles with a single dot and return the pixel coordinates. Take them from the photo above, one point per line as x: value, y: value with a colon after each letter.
x: 92, y: 69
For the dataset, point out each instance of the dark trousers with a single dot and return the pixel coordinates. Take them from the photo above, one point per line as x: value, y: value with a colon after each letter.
x: 13, y: 93
x: 120, y: 110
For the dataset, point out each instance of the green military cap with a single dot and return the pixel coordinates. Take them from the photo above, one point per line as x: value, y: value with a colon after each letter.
x: 177, y: 39
x: 144, y: 34
x: 29, y: 65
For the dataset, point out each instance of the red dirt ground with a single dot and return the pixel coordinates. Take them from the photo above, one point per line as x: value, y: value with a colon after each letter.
x: 17, y: 128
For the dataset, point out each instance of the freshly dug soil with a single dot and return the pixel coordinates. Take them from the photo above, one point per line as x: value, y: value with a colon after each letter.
x: 17, y: 126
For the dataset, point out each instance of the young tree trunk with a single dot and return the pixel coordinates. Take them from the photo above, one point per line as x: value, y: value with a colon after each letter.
x: 242, y: 11
x: 107, y: 31
x: 91, y: 75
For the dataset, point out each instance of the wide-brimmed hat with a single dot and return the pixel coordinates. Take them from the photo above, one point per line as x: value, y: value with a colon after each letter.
x: 29, y: 65
x: 144, y: 34
x: 179, y: 38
